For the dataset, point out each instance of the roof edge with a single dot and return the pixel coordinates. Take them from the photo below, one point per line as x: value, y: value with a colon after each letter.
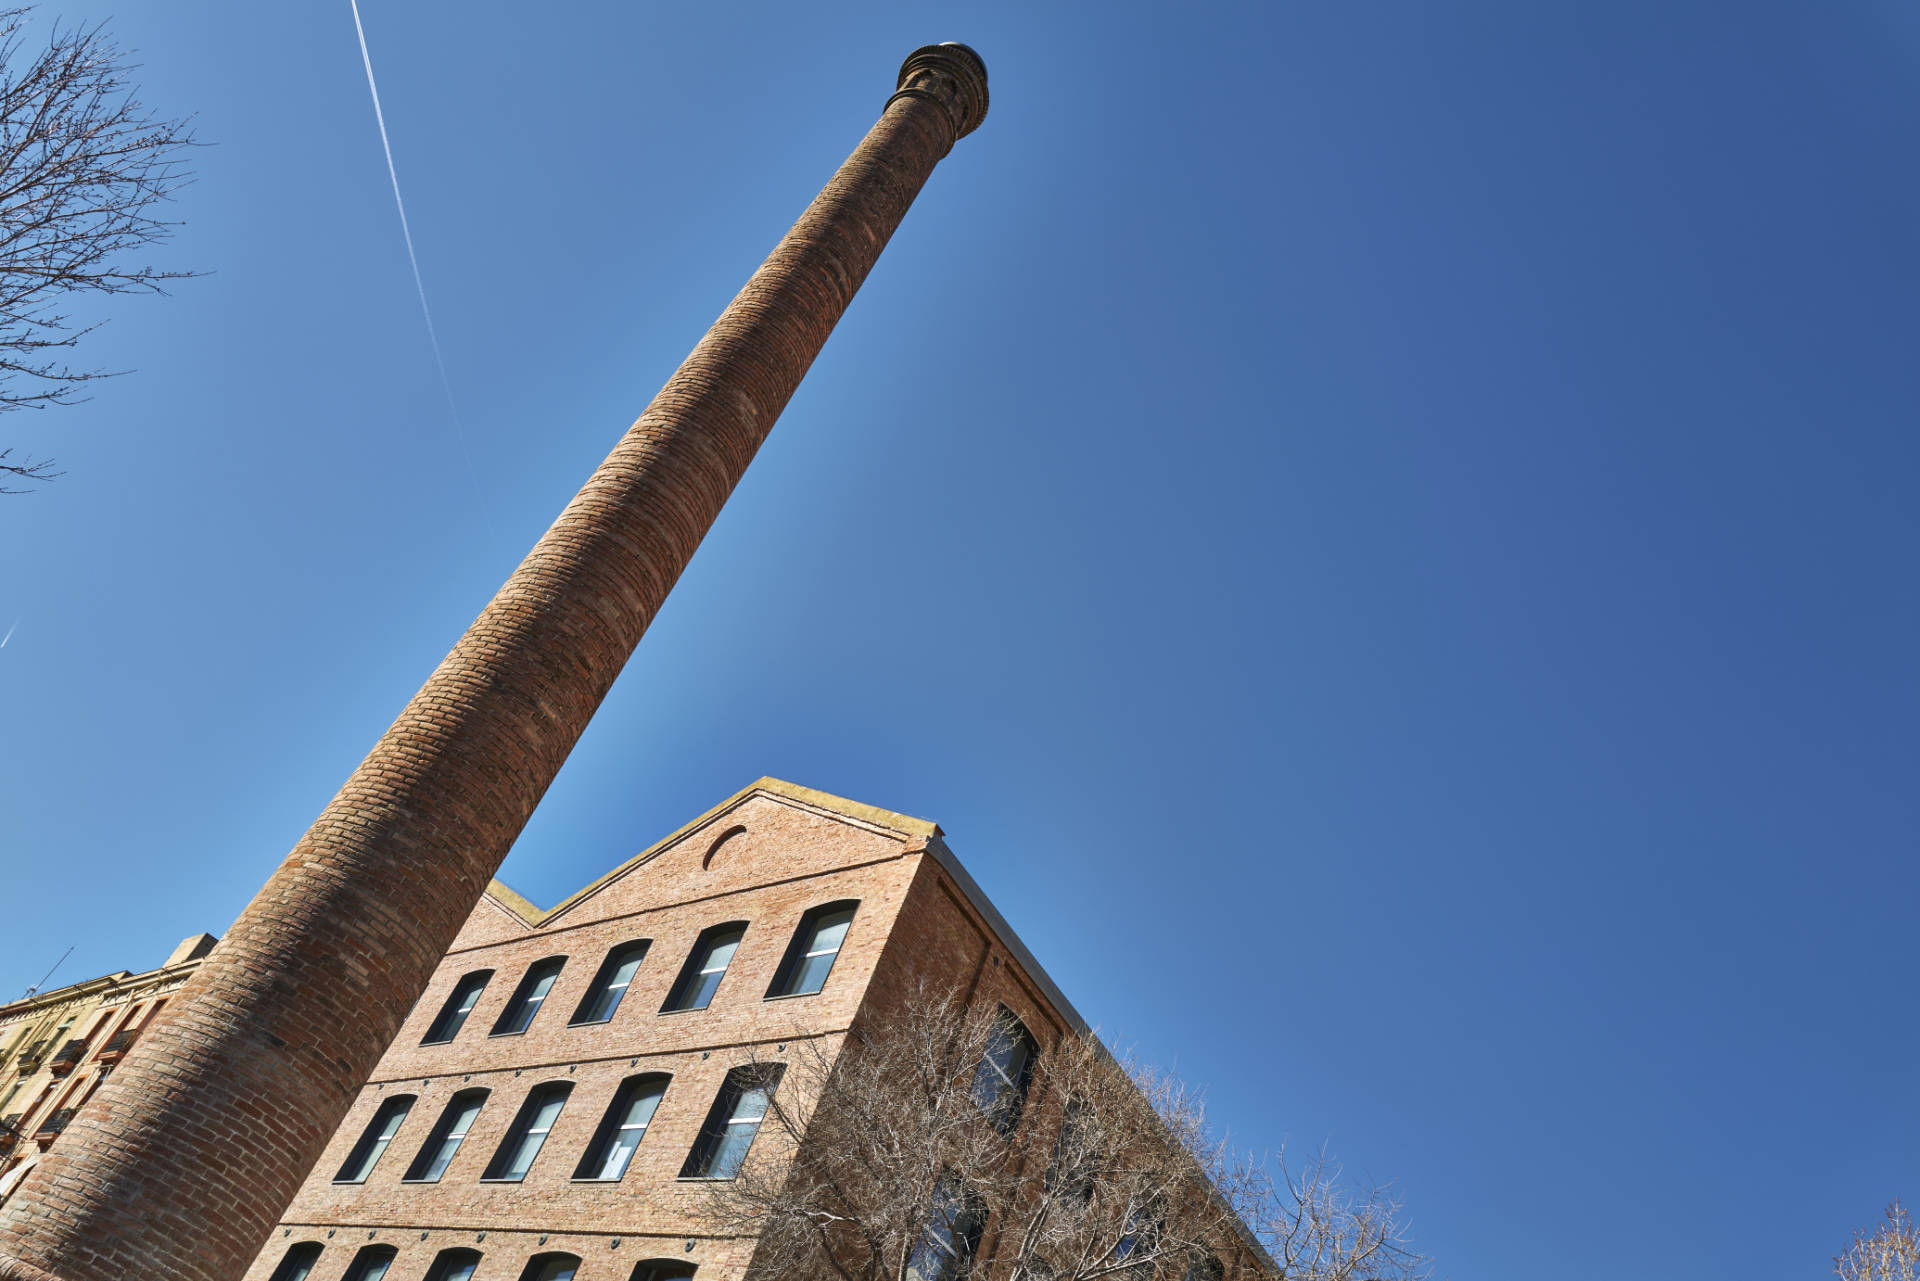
x: 906, y: 827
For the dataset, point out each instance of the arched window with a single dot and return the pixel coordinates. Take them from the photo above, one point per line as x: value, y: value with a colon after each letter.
x: 1006, y: 1070
x: 454, y: 1265
x: 446, y: 1137
x: 951, y: 1235
x: 373, y: 1143
x: 661, y: 1270
x: 706, y: 966
x: 371, y: 1263
x: 809, y: 959
x: 535, y: 1120
x: 610, y: 983
x: 460, y: 1002
x: 623, y: 1127
x: 734, y: 1121
x: 550, y: 1267
x: 297, y: 1263
x: 528, y: 997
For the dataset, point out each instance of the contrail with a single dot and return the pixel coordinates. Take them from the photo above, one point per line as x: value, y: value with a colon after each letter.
x: 10, y: 632
x: 401, y: 205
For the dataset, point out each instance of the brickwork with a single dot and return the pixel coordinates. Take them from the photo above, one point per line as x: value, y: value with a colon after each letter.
x: 786, y: 849
x: 245, y: 1080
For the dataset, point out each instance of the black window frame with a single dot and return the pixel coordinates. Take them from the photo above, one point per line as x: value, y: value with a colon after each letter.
x: 603, y: 978
x: 690, y: 970
x: 363, y: 1150
x: 301, y: 1254
x: 521, y: 1126
x: 713, y: 1131
x: 368, y: 1255
x: 785, y: 977
x: 442, y: 1127
x: 594, y: 1157
x: 523, y: 993
x: 531, y: 1272
x: 1007, y: 1106
x: 662, y: 1270
x: 450, y: 1258
x: 437, y: 1031
x: 966, y: 1221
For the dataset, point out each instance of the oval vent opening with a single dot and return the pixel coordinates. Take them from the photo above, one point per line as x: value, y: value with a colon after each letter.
x: 720, y: 840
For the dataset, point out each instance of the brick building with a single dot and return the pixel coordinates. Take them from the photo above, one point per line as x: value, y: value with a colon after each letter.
x: 554, y: 1100
x: 57, y: 1047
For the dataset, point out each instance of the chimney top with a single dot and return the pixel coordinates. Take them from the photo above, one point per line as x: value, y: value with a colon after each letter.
x: 191, y: 948
x: 952, y: 75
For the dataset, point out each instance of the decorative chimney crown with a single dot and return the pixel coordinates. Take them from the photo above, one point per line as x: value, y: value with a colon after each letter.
x: 952, y: 75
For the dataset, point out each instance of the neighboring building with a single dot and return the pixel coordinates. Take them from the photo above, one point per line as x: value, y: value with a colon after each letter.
x: 552, y: 1102
x: 57, y: 1047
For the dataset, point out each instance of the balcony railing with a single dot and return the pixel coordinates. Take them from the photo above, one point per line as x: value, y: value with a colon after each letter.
x: 116, y: 1047
x: 31, y: 1056
x: 9, y: 1132
x: 50, y: 1128
x: 67, y: 1056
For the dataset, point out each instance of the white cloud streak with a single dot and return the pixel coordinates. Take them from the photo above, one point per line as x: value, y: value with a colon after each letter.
x: 405, y: 232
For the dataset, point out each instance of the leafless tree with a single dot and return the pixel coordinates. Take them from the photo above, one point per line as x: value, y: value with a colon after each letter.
x: 895, y: 1156
x: 83, y: 169
x: 1890, y: 1253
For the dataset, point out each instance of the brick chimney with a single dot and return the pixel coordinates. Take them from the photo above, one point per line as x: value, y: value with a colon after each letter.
x: 181, y: 1163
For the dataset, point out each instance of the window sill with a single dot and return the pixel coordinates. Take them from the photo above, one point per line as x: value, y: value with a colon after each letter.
x: 586, y: 1178
x: 705, y: 1178
x: 521, y: 1179
x: 421, y: 1183
x: 694, y: 1009
x: 590, y: 1022
x: 521, y: 1032
x: 791, y: 996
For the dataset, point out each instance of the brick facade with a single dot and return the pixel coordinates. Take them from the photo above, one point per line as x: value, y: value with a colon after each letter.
x: 245, y: 1080
x: 786, y: 849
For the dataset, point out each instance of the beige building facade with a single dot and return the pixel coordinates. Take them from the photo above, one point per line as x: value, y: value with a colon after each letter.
x: 57, y: 1047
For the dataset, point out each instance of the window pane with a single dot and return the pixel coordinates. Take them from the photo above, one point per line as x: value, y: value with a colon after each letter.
x: 720, y: 954
x: 373, y: 1144
x: 831, y: 931
x: 605, y: 998
x: 459, y: 1004
x: 631, y: 1114
x: 451, y: 1131
x: 811, y: 975
x: 524, y: 1144
x: 298, y: 1263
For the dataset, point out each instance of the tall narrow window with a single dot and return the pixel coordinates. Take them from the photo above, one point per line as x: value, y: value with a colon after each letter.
x: 528, y: 997
x: 460, y: 1002
x: 371, y: 1263
x: 373, y: 1144
x: 810, y: 956
x: 952, y: 1234
x: 1006, y: 1070
x: 610, y: 984
x: 622, y: 1128
x: 529, y: 1130
x: 661, y: 1270
x: 735, y: 1119
x: 550, y: 1267
x: 700, y: 976
x: 446, y: 1136
x: 454, y: 1265
x: 297, y: 1263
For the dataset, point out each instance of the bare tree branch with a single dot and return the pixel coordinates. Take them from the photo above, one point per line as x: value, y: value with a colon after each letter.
x: 1112, y: 1173
x: 83, y: 169
x: 1891, y: 1253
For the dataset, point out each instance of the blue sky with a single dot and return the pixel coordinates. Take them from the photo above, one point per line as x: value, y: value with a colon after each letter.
x: 1384, y: 533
